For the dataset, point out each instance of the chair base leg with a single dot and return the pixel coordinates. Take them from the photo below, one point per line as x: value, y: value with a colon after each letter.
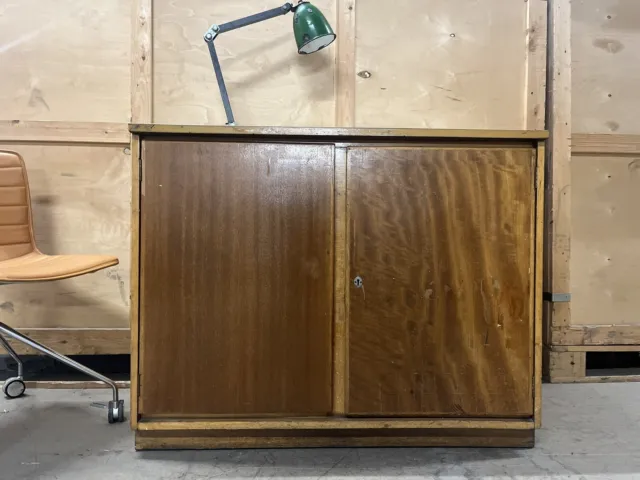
x: 13, y: 355
x: 7, y: 330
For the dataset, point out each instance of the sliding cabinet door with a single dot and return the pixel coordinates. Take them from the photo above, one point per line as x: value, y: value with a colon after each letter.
x: 236, y: 279
x: 440, y: 293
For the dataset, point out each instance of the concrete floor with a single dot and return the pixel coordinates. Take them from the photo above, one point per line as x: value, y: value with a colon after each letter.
x: 591, y: 432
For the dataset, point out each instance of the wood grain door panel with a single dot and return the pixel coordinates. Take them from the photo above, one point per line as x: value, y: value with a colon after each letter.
x: 236, y: 279
x: 442, y: 239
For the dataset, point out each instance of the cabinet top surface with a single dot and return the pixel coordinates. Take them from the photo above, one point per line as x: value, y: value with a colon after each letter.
x: 152, y: 128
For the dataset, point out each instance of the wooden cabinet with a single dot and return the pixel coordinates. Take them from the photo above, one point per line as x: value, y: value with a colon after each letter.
x: 312, y: 287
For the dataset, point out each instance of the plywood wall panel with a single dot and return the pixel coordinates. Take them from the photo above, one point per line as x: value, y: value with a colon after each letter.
x: 269, y: 83
x: 65, y: 60
x: 441, y: 64
x: 605, y: 257
x: 606, y: 71
x: 81, y: 204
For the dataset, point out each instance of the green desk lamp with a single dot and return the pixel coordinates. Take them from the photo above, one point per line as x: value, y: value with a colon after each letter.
x: 310, y: 27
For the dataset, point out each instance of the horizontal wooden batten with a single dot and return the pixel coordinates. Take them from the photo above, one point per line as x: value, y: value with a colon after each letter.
x: 331, y: 424
x: 585, y: 335
x: 63, y: 132
x: 604, y: 144
x: 77, y: 341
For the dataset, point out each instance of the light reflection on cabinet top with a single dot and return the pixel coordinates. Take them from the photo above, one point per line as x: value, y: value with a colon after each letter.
x: 341, y: 133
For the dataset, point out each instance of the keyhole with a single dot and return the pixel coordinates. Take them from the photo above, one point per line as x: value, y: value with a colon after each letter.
x: 357, y: 282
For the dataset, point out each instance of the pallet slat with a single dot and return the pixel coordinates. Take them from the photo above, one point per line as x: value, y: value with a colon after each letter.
x: 565, y: 365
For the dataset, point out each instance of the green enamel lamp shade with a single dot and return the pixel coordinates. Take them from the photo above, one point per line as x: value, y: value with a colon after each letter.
x: 311, y: 29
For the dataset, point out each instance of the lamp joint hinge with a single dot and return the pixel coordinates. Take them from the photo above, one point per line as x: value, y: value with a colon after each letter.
x: 212, y: 33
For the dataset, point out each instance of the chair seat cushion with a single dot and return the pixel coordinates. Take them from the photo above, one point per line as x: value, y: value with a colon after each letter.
x: 37, y: 267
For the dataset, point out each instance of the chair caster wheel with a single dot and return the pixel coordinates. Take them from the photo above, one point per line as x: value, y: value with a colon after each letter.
x: 13, y: 387
x: 116, y: 411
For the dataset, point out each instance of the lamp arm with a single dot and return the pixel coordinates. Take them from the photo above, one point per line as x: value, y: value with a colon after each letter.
x: 250, y: 20
x: 216, y: 30
x: 221, y: 85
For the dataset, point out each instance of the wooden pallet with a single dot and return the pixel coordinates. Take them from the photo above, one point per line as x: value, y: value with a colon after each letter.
x: 572, y: 364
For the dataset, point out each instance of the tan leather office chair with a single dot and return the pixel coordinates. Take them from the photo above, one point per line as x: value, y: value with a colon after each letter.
x: 22, y: 262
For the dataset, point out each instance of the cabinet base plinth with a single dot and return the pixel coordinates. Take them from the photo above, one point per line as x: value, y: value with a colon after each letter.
x: 211, y: 439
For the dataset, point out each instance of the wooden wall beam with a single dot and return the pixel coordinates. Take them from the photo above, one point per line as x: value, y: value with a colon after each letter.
x: 142, y: 62
x: 558, y: 185
x: 345, y: 81
x: 536, y: 65
x: 63, y: 132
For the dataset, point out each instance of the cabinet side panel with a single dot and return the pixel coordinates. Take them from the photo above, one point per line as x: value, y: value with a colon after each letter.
x: 237, y: 263
x: 441, y: 239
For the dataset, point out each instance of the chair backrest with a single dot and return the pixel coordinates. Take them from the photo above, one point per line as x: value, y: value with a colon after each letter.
x: 16, y: 227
